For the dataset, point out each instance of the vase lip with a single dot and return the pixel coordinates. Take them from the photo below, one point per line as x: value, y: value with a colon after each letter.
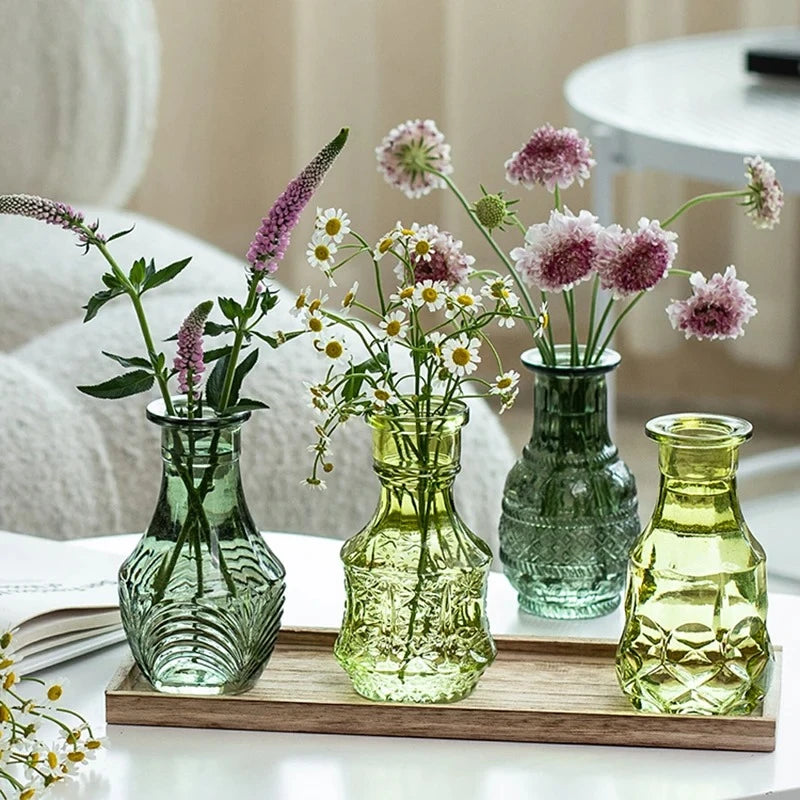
x: 156, y: 412
x: 458, y: 412
x: 607, y: 362
x: 697, y: 429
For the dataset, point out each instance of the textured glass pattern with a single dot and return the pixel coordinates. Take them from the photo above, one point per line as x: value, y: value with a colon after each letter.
x: 201, y: 595
x: 695, y: 638
x: 415, y: 626
x: 569, y: 506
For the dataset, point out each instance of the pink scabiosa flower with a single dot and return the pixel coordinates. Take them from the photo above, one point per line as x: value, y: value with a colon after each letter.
x: 189, y: 360
x: 766, y: 199
x: 551, y: 158
x: 559, y: 253
x: 718, y: 308
x: 272, y: 239
x: 632, y: 262
x: 408, y: 151
x: 435, y: 255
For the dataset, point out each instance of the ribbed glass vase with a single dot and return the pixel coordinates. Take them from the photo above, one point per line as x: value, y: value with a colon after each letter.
x: 415, y: 626
x: 695, y: 638
x: 569, y: 505
x: 201, y: 595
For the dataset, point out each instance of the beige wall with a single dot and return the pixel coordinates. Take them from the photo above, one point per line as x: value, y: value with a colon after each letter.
x: 251, y: 88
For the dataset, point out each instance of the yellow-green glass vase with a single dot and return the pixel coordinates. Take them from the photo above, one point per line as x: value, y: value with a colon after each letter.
x: 415, y: 627
x: 695, y: 639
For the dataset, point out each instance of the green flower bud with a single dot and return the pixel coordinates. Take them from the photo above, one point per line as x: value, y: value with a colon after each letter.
x: 491, y: 210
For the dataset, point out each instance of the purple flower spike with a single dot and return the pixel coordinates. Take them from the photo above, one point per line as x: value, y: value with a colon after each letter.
x: 189, y: 360
x: 29, y: 205
x: 272, y: 239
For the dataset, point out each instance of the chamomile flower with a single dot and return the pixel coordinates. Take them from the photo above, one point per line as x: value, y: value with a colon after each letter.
x: 462, y: 299
x: 350, y: 297
x: 420, y: 242
x: 435, y: 339
x: 317, y: 303
x: 301, y: 303
x: 404, y: 296
x: 321, y: 251
x: 432, y: 294
x: 505, y: 383
x: 381, y: 395
x: 506, y: 319
x: 333, y: 222
x: 54, y: 692
x: 499, y: 289
x: 332, y: 349
x: 460, y: 355
x: 315, y: 323
x: 507, y: 400
x: 394, y: 326
x: 384, y: 246
x: 314, y: 483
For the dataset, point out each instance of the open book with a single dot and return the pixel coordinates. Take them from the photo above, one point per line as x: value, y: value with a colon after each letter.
x: 59, y: 601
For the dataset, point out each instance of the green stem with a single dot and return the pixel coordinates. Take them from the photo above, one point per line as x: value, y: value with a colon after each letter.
x: 248, y: 311
x: 619, y: 319
x: 569, y: 302
x: 592, y: 311
x: 600, y: 326
x: 702, y: 198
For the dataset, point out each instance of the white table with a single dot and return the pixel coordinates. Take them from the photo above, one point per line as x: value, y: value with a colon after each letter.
x: 686, y: 106
x: 172, y: 764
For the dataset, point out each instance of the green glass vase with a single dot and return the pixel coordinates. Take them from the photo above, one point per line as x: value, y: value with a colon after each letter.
x: 415, y: 626
x: 569, y: 505
x: 201, y: 595
x: 695, y: 639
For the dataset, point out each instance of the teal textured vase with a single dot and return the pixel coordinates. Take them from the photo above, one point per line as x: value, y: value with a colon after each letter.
x: 569, y: 506
x: 201, y: 595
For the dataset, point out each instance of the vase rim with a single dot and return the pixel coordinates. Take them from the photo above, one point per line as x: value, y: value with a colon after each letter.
x: 156, y: 412
x: 699, y: 430
x: 608, y: 361
x: 458, y: 412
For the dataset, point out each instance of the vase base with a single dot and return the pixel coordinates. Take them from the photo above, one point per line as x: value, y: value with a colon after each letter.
x: 194, y: 686
x: 392, y: 688
x: 571, y: 610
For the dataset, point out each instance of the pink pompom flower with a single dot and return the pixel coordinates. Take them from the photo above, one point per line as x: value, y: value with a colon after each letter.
x: 766, y: 199
x: 408, y: 151
x: 718, y: 308
x: 434, y: 255
x: 551, y: 158
x: 633, y: 262
x: 189, y: 360
x: 559, y: 253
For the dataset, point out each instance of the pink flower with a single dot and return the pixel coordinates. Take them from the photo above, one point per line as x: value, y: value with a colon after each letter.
x: 718, y: 308
x: 272, y: 238
x: 436, y: 256
x: 28, y: 205
x: 560, y: 253
x: 189, y: 359
x: 766, y: 199
x: 630, y: 263
x: 408, y: 151
x: 551, y: 158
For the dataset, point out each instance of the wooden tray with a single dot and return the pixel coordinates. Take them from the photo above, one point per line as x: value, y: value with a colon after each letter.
x: 538, y: 690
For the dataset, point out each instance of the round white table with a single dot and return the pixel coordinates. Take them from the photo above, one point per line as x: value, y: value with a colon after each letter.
x: 686, y: 106
x: 172, y: 764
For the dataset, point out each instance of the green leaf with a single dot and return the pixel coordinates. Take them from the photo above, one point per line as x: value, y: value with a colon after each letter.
x: 121, y: 386
x: 165, y: 274
x: 353, y: 384
x: 246, y: 404
x: 275, y: 343
x: 216, y: 328
x: 136, y: 275
x: 239, y: 375
x: 216, y: 381
x: 97, y: 301
x: 376, y: 364
x: 129, y: 361
x: 268, y: 301
x: 111, y: 280
x: 217, y: 353
x: 230, y: 308
x: 119, y: 234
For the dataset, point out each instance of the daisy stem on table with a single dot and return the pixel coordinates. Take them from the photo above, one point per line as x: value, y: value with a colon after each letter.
x: 702, y: 198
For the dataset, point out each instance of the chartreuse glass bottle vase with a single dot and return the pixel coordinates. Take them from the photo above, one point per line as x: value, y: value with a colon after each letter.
x: 415, y: 627
x: 695, y: 638
x: 201, y: 595
x: 569, y: 505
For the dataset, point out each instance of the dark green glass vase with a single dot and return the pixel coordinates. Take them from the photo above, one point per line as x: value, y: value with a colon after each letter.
x: 569, y: 506
x: 201, y: 595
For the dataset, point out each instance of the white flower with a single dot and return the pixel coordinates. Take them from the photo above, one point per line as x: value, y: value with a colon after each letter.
x: 350, y: 297
x: 435, y: 339
x: 420, y: 243
x: 315, y: 323
x: 333, y: 222
x: 332, y: 349
x: 506, y: 320
x: 507, y: 400
x: 317, y: 303
x: 381, y: 395
x: 53, y: 692
x: 432, y: 294
x: 301, y: 303
x: 404, y: 296
x: 316, y: 483
x: 462, y: 299
x: 394, y: 327
x: 505, y: 383
x: 499, y: 290
x: 384, y: 246
x: 460, y: 355
x: 320, y: 251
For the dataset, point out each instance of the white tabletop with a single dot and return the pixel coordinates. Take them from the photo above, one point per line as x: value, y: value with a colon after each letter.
x: 688, y: 106
x: 171, y: 764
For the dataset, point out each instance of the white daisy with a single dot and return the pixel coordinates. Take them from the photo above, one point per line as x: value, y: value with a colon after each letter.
x: 317, y: 303
x: 460, y: 355
x: 381, y: 395
x: 332, y: 349
x: 314, y: 483
x: 404, y: 296
x: 431, y: 294
x: 384, y: 246
x: 462, y: 299
x: 333, y: 222
x: 506, y: 320
x: 299, y: 309
x: 505, y: 383
x: 321, y: 250
x: 499, y: 290
x: 435, y: 338
x: 507, y: 400
x: 394, y: 326
x: 420, y: 243
x: 315, y: 323
x: 350, y: 297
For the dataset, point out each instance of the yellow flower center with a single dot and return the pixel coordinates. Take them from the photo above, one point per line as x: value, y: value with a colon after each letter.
x: 461, y: 356
x: 5, y: 714
x: 10, y: 680
x: 504, y: 383
x: 407, y: 292
x: 348, y: 299
x: 333, y: 226
x: 321, y: 252
x: 334, y: 349
x: 382, y: 395
x: 93, y: 744
x: 6, y: 663
x: 465, y: 300
x: 385, y: 245
x: 52, y: 760
x: 407, y: 232
x: 34, y: 759
x: 544, y: 319
x: 393, y: 328
x: 421, y: 247
x: 300, y: 302
x: 28, y: 794
x: 315, y: 324
x: 429, y: 294
x: 54, y: 692
x: 76, y: 756
x: 314, y: 305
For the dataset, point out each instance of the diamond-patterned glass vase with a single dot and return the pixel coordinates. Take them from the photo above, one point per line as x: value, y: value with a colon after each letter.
x: 695, y: 638
x: 569, y: 505
x: 415, y: 626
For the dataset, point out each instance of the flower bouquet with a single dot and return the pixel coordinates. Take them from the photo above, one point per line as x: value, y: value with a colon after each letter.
x: 569, y: 508
x: 201, y: 595
x: 415, y: 626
